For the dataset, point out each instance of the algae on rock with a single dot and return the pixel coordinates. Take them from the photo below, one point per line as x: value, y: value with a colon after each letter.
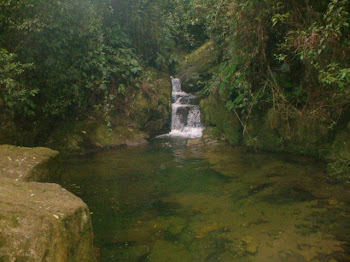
x: 26, y: 164
x: 85, y: 136
x: 39, y: 222
x: 146, y: 114
x: 197, y: 68
x: 215, y: 114
x: 339, y: 156
x: 151, y: 108
x: 43, y: 222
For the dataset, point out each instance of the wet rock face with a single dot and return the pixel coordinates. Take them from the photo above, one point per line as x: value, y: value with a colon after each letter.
x: 182, y: 113
x: 151, y: 109
x: 39, y: 222
x: 216, y: 115
x: 198, y: 68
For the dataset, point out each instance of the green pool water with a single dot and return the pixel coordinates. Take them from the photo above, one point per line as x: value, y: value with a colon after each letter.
x: 168, y: 201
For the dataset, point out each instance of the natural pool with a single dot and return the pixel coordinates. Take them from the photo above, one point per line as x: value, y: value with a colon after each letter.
x: 168, y: 201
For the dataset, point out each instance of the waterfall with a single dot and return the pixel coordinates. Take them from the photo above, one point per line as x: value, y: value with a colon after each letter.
x: 186, y: 116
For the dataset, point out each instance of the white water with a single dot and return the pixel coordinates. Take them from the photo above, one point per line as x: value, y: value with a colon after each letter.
x: 186, y: 117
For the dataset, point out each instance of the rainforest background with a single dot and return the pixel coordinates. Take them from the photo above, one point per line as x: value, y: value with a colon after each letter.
x: 72, y: 60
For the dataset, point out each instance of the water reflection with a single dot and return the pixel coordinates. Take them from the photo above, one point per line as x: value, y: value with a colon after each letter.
x: 170, y: 201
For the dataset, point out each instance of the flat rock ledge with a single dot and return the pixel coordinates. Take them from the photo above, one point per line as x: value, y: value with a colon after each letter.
x: 39, y: 221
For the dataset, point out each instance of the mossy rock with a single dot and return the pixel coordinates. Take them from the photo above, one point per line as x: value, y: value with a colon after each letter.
x: 86, y: 136
x: 339, y: 157
x: 72, y: 136
x: 212, y: 135
x: 215, y: 114
x: 301, y: 134
x: 39, y: 222
x: 341, y: 146
x: 118, y: 136
x: 26, y: 164
x: 151, y: 108
x: 197, y: 68
x: 167, y: 251
x: 261, y: 135
x: 43, y: 222
x: 270, y: 130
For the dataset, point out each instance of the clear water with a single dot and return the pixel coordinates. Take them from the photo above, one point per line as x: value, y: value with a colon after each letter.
x: 171, y: 202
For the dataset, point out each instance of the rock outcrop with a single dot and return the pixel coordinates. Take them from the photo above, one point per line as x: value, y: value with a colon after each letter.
x: 151, y: 109
x: 146, y: 115
x: 85, y: 136
x: 267, y: 128
x: 26, y: 164
x: 39, y: 222
x: 197, y: 68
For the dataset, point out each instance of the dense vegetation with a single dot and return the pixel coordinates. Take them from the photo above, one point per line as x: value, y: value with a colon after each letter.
x: 294, y: 55
x: 58, y: 57
x: 65, y: 58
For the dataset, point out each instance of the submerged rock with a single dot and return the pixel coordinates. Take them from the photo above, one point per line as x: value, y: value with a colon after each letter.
x: 167, y: 251
x: 39, y: 222
x: 251, y: 244
x: 134, y: 253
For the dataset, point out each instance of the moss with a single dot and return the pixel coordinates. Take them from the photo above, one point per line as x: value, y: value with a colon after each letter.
x: 121, y: 135
x: 215, y: 114
x: 300, y: 134
x: 39, y: 222
x: 166, y: 251
x: 151, y: 108
x: 198, y: 67
x: 71, y: 136
x: 261, y: 135
x: 213, y: 133
x: 86, y: 136
x: 339, y: 166
x: 26, y: 164
x: 268, y: 130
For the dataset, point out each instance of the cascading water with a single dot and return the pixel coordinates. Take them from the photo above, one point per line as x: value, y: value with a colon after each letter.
x: 186, y: 116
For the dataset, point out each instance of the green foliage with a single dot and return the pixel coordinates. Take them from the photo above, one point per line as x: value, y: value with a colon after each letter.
x: 339, y: 170
x: 322, y: 46
x: 65, y: 58
x: 14, y: 96
x: 86, y: 54
x: 233, y: 87
x: 293, y: 55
